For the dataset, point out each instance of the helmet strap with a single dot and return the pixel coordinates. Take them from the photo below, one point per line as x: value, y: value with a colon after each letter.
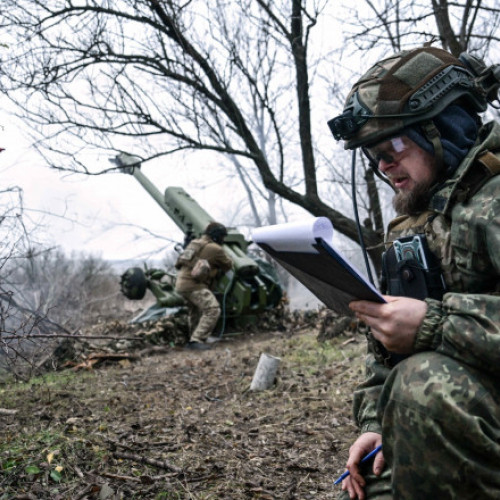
x: 434, y: 137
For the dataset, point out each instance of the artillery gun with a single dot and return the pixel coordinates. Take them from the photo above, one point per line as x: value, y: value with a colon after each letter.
x: 251, y: 288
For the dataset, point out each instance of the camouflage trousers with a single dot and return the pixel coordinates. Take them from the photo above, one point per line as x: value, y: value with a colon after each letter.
x: 204, y: 311
x: 440, y: 432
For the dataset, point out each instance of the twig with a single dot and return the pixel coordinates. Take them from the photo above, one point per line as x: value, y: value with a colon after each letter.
x: 95, y: 358
x: 84, y: 492
x: 78, y: 471
x: 7, y: 296
x: 5, y: 411
x: 348, y: 341
x: 65, y: 335
x: 166, y: 445
x: 120, y: 477
x: 161, y: 464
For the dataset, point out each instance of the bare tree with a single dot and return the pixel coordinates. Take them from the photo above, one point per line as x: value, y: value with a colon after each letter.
x: 17, y: 321
x: 458, y: 26
x: 162, y: 77
x: 45, y: 296
x: 43, y: 293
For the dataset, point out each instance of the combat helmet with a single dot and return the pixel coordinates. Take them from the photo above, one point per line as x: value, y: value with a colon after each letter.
x: 216, y: 231
x: 412, y: 87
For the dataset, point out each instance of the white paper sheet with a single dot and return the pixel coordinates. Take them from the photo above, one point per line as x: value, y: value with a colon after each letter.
x: 295, y: 236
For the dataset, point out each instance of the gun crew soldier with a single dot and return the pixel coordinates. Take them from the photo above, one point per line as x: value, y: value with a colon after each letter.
x: 431, y: 396
x: 199, y: 265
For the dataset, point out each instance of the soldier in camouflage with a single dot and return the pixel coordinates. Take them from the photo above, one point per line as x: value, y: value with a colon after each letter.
x: 203, y: 308
x: 431, y: 396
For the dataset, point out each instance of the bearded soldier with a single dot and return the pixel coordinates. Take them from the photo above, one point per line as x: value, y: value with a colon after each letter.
x: 431, y: 397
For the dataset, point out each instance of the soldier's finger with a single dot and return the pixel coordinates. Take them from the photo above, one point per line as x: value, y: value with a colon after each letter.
x: 378, y: 464
x: 354, y: 490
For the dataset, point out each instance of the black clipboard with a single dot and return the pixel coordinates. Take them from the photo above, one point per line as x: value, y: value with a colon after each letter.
x: 326, y: 273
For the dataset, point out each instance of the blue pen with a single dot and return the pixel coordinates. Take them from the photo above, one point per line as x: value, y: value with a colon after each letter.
x: 365, y: 459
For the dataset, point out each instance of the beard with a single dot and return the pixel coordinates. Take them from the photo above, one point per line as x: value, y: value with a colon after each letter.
x: 414, y: 201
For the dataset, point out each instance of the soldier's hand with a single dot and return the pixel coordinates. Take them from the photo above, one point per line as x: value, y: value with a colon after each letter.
x: 355, y: 483
x: 395, y: 323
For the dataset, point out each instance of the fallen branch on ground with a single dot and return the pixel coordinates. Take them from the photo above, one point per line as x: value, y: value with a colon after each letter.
x: 65, y: 336
x: 161, y: 464
x: 95, y: 358
x: 6, y: 411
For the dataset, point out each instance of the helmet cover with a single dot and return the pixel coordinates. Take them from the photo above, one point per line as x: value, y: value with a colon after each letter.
x: 406, y: 88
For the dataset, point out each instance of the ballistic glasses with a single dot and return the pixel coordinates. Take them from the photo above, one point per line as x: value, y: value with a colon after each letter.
x: 389, y: 151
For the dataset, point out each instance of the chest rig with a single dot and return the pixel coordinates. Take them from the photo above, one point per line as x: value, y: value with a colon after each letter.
x: 419, y: 261
x: 409, y: 267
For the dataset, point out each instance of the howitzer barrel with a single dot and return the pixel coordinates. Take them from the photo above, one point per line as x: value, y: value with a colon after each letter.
x: 185, y: 211
x: 178, y: 205
x: 190, y: 218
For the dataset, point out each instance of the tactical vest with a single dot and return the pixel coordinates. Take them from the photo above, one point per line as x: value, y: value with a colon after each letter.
x: 190, y: 255
x: 418, y: 261
x: 409, y: 267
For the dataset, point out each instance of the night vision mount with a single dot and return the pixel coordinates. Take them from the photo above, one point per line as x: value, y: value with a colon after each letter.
x: 488, y: 77
x: 351, y: 120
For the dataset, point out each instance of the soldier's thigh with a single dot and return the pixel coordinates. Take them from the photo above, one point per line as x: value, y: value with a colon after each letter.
x: 441, y: 429
x: 204, y: 299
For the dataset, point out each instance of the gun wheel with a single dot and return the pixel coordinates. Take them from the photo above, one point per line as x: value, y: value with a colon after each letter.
x: 133, y: 283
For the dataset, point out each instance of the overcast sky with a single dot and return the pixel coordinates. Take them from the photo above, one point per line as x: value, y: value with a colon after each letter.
x: 93, y: 214
x: 104, y: 215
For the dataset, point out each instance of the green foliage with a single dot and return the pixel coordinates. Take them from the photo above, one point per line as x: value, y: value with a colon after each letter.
x: 55, y: 475
x: 40, y: 455
x: 10, y: 389
x: 32, y: 469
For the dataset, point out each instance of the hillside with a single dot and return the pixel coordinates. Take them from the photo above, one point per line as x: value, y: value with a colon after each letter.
x: 168, y: 423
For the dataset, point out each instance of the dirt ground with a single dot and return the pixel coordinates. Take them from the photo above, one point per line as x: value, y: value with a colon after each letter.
x: 169, y: 423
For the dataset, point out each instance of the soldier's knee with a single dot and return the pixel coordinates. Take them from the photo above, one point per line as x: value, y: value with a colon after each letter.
x: 213, y: 312
x: 420, y: 383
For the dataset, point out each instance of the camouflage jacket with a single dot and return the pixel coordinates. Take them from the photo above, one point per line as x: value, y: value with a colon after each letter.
x: 462, y: 228
x: 218, y: 260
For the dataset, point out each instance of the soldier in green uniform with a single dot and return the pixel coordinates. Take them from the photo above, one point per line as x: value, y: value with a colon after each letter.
x: 203, y: 308
x: 431, y: 396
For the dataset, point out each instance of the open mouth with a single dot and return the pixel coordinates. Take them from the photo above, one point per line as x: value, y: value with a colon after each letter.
x: 400, y: 182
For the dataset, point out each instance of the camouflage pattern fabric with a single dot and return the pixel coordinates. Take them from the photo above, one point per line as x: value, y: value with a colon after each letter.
x: 453, y: 382
x: 442, y: 419
x: 403, y: 89
x: 203, y: 311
